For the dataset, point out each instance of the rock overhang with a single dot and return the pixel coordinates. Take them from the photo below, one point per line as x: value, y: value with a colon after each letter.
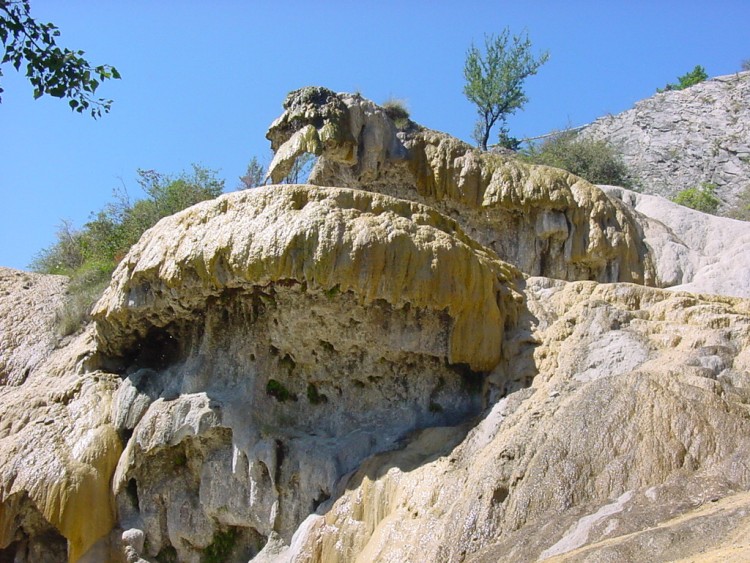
x: 329, y: 239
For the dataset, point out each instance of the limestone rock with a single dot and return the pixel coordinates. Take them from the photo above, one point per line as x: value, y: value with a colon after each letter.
x: 28, y: 303
x: 683, y: 138
x: 270, y: 340
x: 591, y: 451
x: 542, y: 220
x: 58, y: 450
x: 307, y: 373
x: 694, y: 251
x: 332, y: 240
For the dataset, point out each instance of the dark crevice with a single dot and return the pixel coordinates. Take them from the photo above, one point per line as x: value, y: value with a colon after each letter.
x: 132, y: 491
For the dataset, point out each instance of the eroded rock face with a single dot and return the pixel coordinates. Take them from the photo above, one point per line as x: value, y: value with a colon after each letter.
x: 637, y: 416
x: 267, y: 364
x: 694, y: 251
x: 58, y: 450
x: 544, y: 221
x: 683, y: 138
x: 306, y: 373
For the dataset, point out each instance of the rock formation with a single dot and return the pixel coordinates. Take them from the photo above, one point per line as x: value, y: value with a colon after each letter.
x: 433, y: 354
x: 683, y: 138
x: 544, y: 221
x: 692, y: 251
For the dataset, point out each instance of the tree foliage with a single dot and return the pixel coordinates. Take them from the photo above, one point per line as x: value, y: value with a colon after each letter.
x: 254, y: 176
x: 89, y: 255
x: 695, y: 76
x: 495, y: 77
x: 702, y: 198
x: 591, y: 159
x: 51, y: 70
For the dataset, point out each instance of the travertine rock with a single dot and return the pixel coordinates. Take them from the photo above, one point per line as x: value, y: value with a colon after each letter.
x: 683, y: 138
x: 544, y: 221
x: 318, y: 326
x: 592, y: 450
x: 302, y: 373
x: 693, y: 251
x: 330, y: 239
x: 58, y: 450
x: 28, y: 303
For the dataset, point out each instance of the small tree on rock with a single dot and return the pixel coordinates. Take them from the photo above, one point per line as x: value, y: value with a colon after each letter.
x: 494, y: 79
x: 695, y: 76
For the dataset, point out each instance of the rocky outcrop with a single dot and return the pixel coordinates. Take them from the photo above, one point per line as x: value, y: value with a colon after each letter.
x: 28, y: 304
x: 544, y: 221
x: 319, y: 326
x: 372, y: 372
x: 636, y: 416
x: 58, y: 450
x: 693, y: 251
x: 683, y: 138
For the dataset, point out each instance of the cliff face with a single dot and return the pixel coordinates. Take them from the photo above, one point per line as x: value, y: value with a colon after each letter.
x: 681, y: 139
x: 420, y: 364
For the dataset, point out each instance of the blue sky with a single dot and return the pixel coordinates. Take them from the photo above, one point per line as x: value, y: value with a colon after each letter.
x: 201, y: 82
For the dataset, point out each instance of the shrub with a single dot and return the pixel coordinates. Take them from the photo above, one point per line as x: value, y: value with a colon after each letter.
x: 278, y: 391
x: 746, y: 64
x: 221, y: 547
x: 89, y: 255
x: 701, y: 198
x: 398, y: 113
x: 697, y: 75
x: 591, y: 159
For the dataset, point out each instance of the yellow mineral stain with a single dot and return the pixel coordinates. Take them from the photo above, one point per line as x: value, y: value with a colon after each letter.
x: 376, y: 246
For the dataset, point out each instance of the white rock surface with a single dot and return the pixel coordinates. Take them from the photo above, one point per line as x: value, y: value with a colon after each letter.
x: 694, y: 251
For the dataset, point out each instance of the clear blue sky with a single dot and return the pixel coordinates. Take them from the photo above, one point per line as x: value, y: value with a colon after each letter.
x: 201, y: 82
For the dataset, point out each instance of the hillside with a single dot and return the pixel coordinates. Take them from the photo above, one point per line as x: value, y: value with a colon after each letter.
x: 428, y: 353
x: 683, y: 138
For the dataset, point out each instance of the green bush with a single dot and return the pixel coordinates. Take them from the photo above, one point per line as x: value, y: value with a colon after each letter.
x: 278, y: 391
x: 398, y: 113
x: 696, y: 76
x: 701, y: 198
x: 591, y: 159
x: 221, y: 547
x: 89, y: 255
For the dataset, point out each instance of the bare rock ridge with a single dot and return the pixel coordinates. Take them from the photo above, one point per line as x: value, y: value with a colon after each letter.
x: 682, y: 138
x: 431, y: 354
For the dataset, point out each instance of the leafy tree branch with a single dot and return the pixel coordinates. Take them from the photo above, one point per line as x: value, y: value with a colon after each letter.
x: 51, y: 70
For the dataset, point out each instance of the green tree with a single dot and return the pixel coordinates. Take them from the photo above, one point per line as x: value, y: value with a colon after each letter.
x: 695, y: 76
x: 702, y: 198
x: 591, y: 159
x: 254, y: 176
x: 53, y: 71
x: 89, y: 255
x: 494, y: 79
